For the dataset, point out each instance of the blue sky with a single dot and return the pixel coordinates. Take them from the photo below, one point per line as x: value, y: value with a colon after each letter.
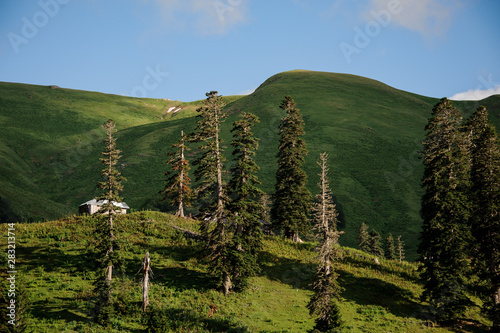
x: 180, y: 49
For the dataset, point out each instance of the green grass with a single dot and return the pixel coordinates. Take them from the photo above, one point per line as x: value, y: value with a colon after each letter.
x: 50, y: 146
x: 54, y: 260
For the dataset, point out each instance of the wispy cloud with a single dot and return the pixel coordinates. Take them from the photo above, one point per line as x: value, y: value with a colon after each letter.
x: 431, y: 18
x: 206, y: 16
x: 476, y: 94
x: 246, y: 92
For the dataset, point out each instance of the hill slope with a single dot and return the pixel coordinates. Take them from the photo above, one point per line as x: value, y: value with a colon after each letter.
x: 54, y: 260
x: 50, y: 145
x: 373, y: 134
x: 48, y: 133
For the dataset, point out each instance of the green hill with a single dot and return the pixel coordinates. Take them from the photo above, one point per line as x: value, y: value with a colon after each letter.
x: 54, y: 262
x: 48, y: 136
x: 51, y: 142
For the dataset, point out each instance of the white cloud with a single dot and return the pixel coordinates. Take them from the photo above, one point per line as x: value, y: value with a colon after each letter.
x: 475, y: 95
x: 207, y: 16
x: 431, y: 18
x: 246, y: 92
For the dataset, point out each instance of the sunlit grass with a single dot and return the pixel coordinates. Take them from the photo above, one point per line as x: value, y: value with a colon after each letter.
x: 55, y: 259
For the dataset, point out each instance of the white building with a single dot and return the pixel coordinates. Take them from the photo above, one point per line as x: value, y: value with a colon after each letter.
x: 92, y: 206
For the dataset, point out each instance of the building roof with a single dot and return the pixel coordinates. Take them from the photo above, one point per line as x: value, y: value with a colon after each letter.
x: 102, y: 202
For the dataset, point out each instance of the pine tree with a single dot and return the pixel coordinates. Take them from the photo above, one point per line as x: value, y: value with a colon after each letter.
x: 390, y: 250
x: 107, y: 246
x: 363, y: 238
x: 446, y: 236
x: 291, y: 198
x: 210, y: 165
x: 177, y: 184
x: 400, y: 249
x: 212, y: 188
x: 324, y: 304
x: 245, y: 207
x: 374, y: 244
x: 485, y: 196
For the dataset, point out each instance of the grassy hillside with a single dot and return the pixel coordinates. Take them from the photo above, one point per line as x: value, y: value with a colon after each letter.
x: 48, y: 134
x: 51, y: 142
x: 373, y: 134
x: 54, y: 260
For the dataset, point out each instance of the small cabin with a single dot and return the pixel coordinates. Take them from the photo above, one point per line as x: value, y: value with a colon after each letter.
x: 92, y: 206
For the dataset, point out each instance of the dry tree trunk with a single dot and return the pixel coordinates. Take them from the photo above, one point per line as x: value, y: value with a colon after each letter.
x: 146, y: 269
x: 227, y: 285
x: 180, y: 209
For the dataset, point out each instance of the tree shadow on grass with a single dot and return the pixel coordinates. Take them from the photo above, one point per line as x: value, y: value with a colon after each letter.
x: 180, y: 320
x: 48, y: 310
x: 468, y: 326
x: 182, y: 274
x: 53, y: 259
x: 370, y: 291
x: 182, y: 278
x: 288, y: 271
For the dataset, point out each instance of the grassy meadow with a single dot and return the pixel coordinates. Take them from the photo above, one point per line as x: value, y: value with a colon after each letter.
x: 54, y: 260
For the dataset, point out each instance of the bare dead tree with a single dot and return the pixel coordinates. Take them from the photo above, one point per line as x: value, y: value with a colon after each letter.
x: 400, y: 249
x: 324, y: 304
x: 146, y: 271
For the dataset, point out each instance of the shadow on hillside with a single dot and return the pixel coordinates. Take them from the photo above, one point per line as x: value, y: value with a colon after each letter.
x: 52, y: 259
x: 370, y: 291
x: 182, y: 278
x: 469, y: 327
x: 178, y: 253
x: 181, y: 275
x: 177, y: 320
x: 289, y: 271
x: 49, y: 310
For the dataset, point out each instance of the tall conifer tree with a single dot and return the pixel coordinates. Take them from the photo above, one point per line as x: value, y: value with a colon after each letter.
x: 390, y: 249
x: 177, y: 184
x: 324, y: 304
x: 291, y: 198
x: 485, y: 196
x: 107, y: 244
x: 210, y: 164
x: 245, y: 206
x: 375, y: 244
x: 363, y: 238
x: 446, y: 235
x: 211, y: 186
